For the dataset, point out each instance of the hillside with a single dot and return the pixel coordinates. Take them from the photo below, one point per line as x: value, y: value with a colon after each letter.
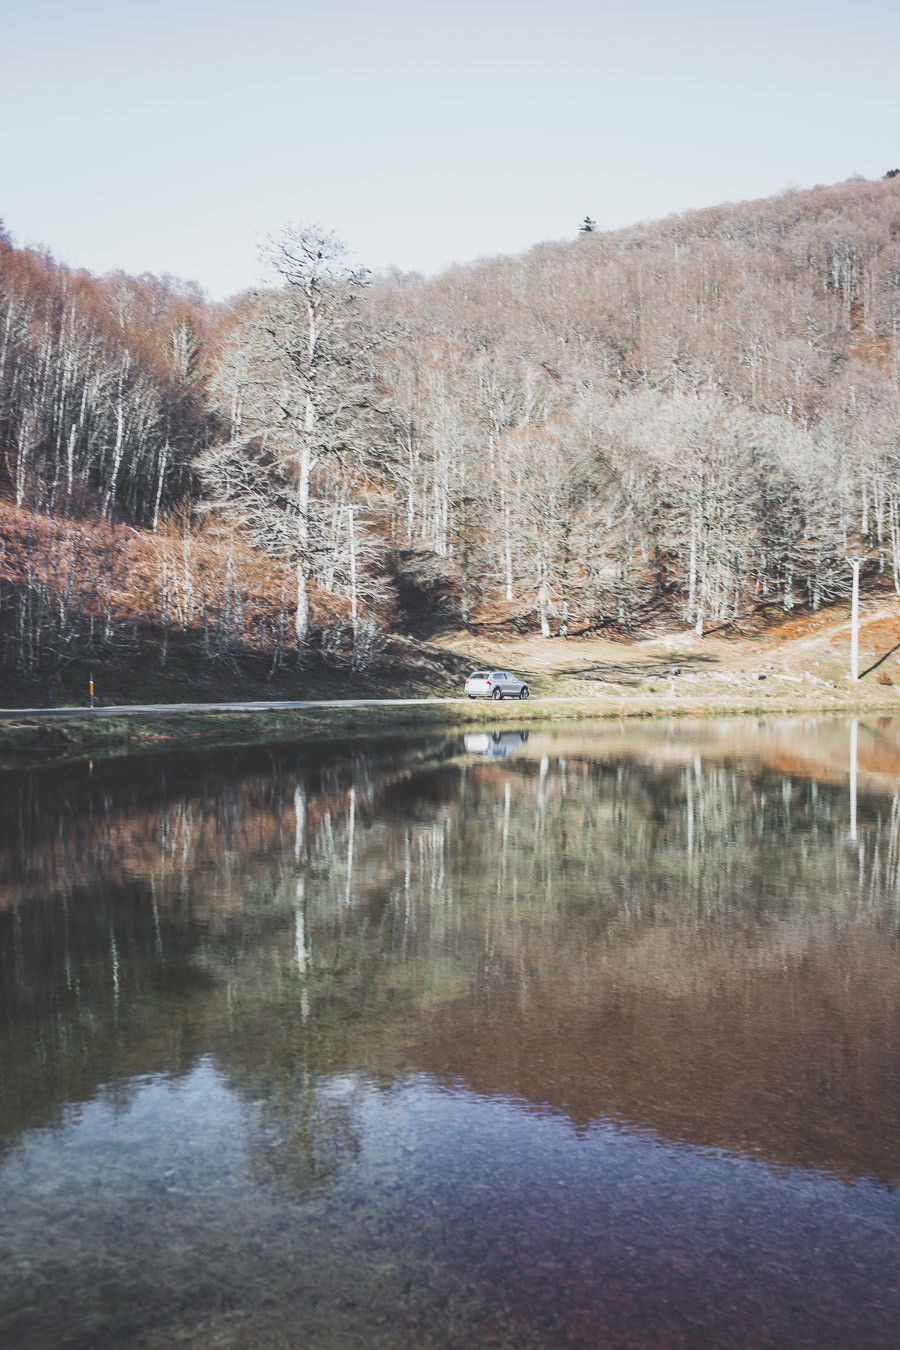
x: 673, y: 429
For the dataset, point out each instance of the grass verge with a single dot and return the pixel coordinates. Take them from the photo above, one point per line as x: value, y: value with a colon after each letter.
x: 33, y: 741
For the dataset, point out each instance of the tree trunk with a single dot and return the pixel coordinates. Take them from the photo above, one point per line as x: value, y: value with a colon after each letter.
x: 855, y: 563
x: 544, y: 602
x: 305, y: 468
x: 692, y: 573
x: 854, y: 777
x: 354, y: 607
x: 70, y: 460
x: 22, y: 459
x: 161, y: 477
x: 894, y: 531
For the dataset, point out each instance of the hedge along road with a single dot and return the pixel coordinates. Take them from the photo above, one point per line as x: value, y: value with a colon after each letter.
x: 142, y: 709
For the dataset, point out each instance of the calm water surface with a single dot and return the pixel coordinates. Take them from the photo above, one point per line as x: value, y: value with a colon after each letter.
x: 579, y: 1037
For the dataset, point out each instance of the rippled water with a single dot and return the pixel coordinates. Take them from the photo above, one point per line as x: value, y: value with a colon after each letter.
x: 578, y: 1037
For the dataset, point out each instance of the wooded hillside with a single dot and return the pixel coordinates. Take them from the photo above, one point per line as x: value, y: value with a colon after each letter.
x: 674, y: 423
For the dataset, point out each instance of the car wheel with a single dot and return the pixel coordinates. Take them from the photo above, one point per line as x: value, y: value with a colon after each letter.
x: 498, y: 693
x: 470, y: 695
x: 523, y: 692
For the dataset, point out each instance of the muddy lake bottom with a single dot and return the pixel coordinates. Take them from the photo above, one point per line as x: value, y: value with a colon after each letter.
x: 575, y: 1034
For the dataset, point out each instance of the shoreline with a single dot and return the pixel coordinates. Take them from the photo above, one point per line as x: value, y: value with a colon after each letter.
x: 35, y: 742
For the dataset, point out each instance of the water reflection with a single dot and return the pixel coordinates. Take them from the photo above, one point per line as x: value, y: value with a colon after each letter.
x: 494, y: 744
x: 388, y: 986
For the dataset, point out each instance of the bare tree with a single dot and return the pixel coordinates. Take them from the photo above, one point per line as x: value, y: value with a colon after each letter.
x: 310, y: 401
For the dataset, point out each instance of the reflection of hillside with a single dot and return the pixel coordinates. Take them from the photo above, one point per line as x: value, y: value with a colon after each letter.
x: 748, y: 1063
x: 664, y: 937
x: 813, y: 748
x: 67, y: 828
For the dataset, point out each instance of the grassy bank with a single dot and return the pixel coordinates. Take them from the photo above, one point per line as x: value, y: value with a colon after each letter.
x: 795, y: 666
x: 32, y: 741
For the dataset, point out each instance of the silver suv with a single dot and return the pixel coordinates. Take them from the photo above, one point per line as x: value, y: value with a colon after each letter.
x: 495, y: 684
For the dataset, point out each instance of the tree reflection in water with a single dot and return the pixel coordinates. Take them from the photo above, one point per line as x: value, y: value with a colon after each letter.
x: 692, y: 932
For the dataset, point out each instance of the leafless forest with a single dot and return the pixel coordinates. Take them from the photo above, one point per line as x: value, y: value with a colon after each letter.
x: 675, y: 423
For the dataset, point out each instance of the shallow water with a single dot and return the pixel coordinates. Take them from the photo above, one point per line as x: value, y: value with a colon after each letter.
x: 577, y: 1036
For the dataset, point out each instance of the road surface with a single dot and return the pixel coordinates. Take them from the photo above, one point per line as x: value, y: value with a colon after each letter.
x: 138, y: 710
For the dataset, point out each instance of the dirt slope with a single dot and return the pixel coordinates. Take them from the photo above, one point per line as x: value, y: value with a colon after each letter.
x: 812, y: 652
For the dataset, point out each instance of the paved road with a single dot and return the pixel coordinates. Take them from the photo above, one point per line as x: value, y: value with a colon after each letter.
x: 137, y: 710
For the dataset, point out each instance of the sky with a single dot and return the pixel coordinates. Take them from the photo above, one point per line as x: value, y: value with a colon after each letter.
x: 174, y: 135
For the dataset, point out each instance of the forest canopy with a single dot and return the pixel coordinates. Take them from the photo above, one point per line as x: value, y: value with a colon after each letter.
x: 690, y: 418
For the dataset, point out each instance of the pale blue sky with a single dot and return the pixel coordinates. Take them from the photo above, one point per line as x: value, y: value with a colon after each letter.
x: 171, y: 135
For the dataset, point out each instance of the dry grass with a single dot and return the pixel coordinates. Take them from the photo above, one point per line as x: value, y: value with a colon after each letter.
x: 810, y: 653
x: 31, y: 741
x: 796, y: 667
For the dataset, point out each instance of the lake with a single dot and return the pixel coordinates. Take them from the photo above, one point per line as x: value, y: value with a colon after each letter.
x: 581, y: 1035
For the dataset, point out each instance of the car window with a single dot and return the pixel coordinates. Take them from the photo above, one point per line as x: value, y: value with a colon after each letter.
x: 497, y: 675
x: 477, y: 675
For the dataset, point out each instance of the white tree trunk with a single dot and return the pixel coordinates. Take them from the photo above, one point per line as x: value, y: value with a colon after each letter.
x: 119, y: 445
x: 163, y: 463
x: 544, y: 602
x: 692, y: 573
x: 22, y: 458
x: 354, y: 606
x: 305, y: 468
x: 854, y: 776
x: 855, y: 563
x: 507, y: 544
x: 70, y: 460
